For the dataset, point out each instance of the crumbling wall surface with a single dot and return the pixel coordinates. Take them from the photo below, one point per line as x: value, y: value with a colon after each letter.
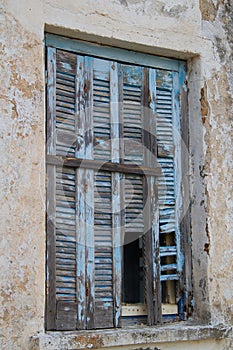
x: 22, y: 238
x: 217, y: 118
x: 175, y: 28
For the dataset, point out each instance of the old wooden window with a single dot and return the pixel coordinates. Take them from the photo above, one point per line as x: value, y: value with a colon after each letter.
x: 114, y: 252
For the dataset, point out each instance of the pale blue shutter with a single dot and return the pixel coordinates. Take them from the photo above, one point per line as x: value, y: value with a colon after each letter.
x: 168, y: 138
x: 61, y: 192
x: 98, y: 110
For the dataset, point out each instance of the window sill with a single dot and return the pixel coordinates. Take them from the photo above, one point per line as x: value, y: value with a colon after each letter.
x: 104, y: 339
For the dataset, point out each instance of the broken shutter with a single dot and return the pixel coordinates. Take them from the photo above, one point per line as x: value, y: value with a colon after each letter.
x: 167, y: 126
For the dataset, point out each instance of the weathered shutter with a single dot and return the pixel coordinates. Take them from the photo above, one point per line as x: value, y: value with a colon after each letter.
x: 107, y: 231
x: 103, y: 269
x: 140, y: 191
x: 98, y: 111
x: 103, y: 244
x: 167, y: 128
x: 84, y: 274
x: 61, y: 192
x: 131, y: 86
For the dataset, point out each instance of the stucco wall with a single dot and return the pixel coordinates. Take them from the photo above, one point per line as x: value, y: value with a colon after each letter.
x: 201, y: 33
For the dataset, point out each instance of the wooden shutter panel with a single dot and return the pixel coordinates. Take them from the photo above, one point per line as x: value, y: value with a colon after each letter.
x: 103, y: 268
x: 168, y: 184
x: 103, y: 244
x: 140, y: 192
x: 84, y: 239
x: 66, y: 248
x: 61, y: 192
x: 65, y: 90
x: 107, y: 230
x: 92, y: 104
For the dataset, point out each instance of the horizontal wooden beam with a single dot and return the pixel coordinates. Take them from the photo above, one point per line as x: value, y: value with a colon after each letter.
x: 107, y: 166
x: 112, y: 53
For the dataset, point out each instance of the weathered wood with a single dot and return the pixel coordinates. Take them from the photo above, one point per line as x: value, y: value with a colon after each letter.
x: 167, y: 111
x: 51, y: 101
x: 107, y: 166
x: 149, y: 255
x: 132, y: 117
x: 152, y: 127
x: 87, y: 248
x: 111, y: 53
x: 51, y: 190
x: 80, y: 197
x: 89, y: 197
x: 66, y: 315
x: 65, y: 244
x: 66, y: 62
x: 103, y: 235
x: 101, y: 110
x: 177, y: 168
x: 171, y: 277
x: 116, y: 197
x: 51, y: 253
x: 185, y: 226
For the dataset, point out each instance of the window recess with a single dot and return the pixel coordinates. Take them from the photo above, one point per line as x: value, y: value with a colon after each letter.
x: 114, y: 252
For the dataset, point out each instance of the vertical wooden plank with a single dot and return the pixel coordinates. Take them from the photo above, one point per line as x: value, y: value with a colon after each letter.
x: 51, y: 190
x: 51, y: 101
x: 122, y: 176
x: 121, y: 113
x: 178, y: 180
x: 157, y: 300
x: 89, y: 195
x: 80, y: 196
x: 148, y: 250
x: 146, y: 118
x: 116, y: 195
x: 152, y: 117
x: 152, y: 216
x: 185, y: 224
x: 154, y: 201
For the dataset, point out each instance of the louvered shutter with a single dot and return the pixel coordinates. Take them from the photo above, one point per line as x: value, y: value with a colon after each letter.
x: 84, y: 282
x: 131, y: 99
x: 140, y: 191
x: 106, y: 269
x: 61, y: 193
x: 167, y: 129
x: 103, y: 112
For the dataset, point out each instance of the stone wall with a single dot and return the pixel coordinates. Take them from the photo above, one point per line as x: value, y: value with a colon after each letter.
x: 200, y: 33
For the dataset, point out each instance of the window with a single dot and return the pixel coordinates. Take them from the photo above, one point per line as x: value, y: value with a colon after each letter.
x: 114, y: 247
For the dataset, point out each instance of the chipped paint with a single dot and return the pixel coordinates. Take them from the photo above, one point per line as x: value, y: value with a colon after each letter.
x: 198, y: 31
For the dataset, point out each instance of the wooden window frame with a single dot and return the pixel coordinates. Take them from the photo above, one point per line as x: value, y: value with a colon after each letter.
x: 129, y: 57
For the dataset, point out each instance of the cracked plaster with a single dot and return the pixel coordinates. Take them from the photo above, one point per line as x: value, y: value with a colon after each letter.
x: 180, y: 29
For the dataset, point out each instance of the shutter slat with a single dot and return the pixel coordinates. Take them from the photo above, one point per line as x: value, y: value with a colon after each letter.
x: 169, y: 277
x: 169, y: 231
